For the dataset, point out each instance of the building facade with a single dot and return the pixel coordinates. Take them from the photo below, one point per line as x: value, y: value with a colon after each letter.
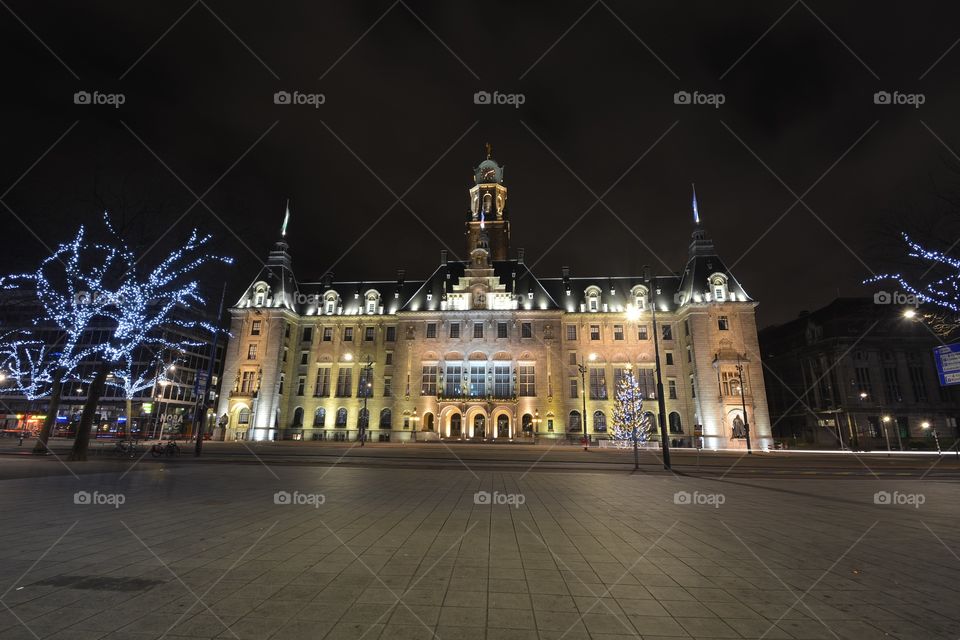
x: 484, y: 350
x: 856, y: 373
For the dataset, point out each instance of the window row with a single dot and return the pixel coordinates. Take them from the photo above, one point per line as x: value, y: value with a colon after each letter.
x: 478, y: 380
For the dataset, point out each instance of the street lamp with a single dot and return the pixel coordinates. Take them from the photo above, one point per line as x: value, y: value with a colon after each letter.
x: 936, y: 438
x: 884, y: 420
x: 743, y: 407
x: 661, y: 406
x: 583, y: 383
x: 536, y: 423
x: 366, y: 386
x: 909, y: 314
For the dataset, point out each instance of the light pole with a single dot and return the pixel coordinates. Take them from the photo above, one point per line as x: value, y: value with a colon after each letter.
x: 936, y: 438
x: 884, y: 420
x: 743, y: 406
x: 661, y: 406
x: 583, y: 383
x: 366, y: 386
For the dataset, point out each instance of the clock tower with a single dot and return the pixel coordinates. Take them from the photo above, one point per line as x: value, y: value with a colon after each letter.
x: 488, y: 215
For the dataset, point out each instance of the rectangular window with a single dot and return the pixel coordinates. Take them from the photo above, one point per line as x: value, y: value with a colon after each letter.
x: 917, y: 384
x: 428, y: 380
x: 246, y: 382
x: 647, y: 383
x: 571, y: 332
x: 618, y: 373
x: 574, y: 388
x: 572, y: 358
x: 892, y: 385
x: 666, y: 331
x: 391, y: 334
x: 501, y: 381
x: 307, y: 334
x: 686, y: 327
x: 388, y: 358
x: 431, y: 329
x: 255, y: 327
x: 672, y: 389
x: 477, y: 329
x: 669, y: 355
x: 322, y: 388
x: 594, y: 332
x: 328, y: 334
x: 618, y: 332
x: 501, y: 329
x: 344, y: 382
x: 252, y: 352
x: 478, y: 380
x: 365, y: 384
x: 528, y: 380
x: 642, y: 332
x: 693, y: 388
x: 454, y: 329
x: 598, y: 384
x: 368, y: 333
x: 723, y: 324
x: 526, y: 330
x: 301, y: 383
x: 729, y: 383
x: 304, y: 357
x: 452, y: 381
x: 348, y: 334
x: 689, y: 354
x: 863, y: 381
x: 387, y: 386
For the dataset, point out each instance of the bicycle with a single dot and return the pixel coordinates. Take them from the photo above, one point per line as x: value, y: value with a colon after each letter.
x: 127, y: 448
x: 169, y: 449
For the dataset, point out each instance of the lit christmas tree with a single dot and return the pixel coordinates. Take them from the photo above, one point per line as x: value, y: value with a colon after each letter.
x: 630, y: 423
x: 25, y: 364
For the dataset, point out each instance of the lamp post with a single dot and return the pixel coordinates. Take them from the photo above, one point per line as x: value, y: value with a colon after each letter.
x: 743, y: 406
x: 536, y: 424
x: 366, y: 386
x: 936, y: 438
x: 884, y: 420
x: 661, y: 406
x: 583, y: 383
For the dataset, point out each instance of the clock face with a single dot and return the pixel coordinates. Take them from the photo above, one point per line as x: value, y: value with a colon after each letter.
x: 489, y: 173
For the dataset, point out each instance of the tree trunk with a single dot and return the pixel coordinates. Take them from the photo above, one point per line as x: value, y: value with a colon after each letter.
x: 56, y: 392
x: 79, y: 453
x: 129, y: 422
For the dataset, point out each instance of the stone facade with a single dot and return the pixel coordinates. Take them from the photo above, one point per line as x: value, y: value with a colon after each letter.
x: 484, y: 350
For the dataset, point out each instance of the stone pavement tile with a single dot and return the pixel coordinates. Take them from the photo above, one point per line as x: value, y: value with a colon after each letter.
x: 670, y: 593
x: 468, y: 584
x: 727, y: 610
x: 462, y: 617
x: 632, y: 591
x: 907, y: 629
x: 296, y: 592
x: 594, y: 604
x: 419, y: 595
x: 511, y: 634
x: 607, y: 623
x: 774, y: 611
x: 557, y: 587
x: 687, y: 609
x: 406, y: 632
x: 457, y: 633
x: 510, y: 573
x: 552, y: 602
x: 73, y: 634
x: 707, y: 627
x: 456, y: 598
x: 314, y: 578
x: 508, y: 586
x: 302, y: 630
x: 642, y: 607
x: 354, y: 631
x: 510, y: 618
x: 577, y: 633
x: 275, y: 608
x: 105, y: 621
x: 369, y: 613
x: 497, y: 600
x: 558, y: 621
x: 710, y: 594
x: 202, y: 625
x: 807, y: 629
x: 858, y: 630
x: 757, y: 627
x: 379, y: 594
x: 657, y: 626
x: 319, y: 611
x: 415, y: 614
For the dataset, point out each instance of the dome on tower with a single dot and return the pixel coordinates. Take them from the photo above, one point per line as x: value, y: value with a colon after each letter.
x: 489, y: 172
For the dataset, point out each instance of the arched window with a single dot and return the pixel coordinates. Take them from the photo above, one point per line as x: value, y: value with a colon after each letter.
x: 330, y: 302
x: 487, y: 202
x: 651, y: 421
x: 373, y: 301
x: 592, y: 295
x: 456, y: 425
x: 573, y: 424
x: 526, y: 423
x: 639, y: 294
x: 718, y: 287
x: 599, y: 422
x: 428, y: 421
x: 244, y: 416
x: 320, y: 417
x: 503, y: 426
x: 675, y: 425
x: 297, y: 417
x: 479, y: 426
x: 386, y: 419
x: 341, y: 417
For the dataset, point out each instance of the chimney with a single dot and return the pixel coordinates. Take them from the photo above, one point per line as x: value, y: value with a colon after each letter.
x: 400, y: 275
x: 443, y: 256
x: 520, y: 255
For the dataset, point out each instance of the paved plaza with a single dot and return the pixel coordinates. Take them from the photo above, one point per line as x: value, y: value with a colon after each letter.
x: 225, y: 550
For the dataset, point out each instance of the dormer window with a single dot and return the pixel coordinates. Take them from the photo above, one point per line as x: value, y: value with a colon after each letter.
x: 639, y: 294
x: 330, y: 303
x: 593, y: 298
x: 718, y: 287
x: 259, y: 295
x: 373, y: 301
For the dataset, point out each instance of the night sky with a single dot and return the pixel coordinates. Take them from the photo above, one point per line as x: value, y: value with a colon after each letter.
x: 598, y: 82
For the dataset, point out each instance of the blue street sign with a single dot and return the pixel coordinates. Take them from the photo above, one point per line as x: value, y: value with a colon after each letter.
x: 947, y: 358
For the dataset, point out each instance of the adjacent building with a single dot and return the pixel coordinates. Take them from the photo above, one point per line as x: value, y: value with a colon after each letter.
x: 857, y: 373
x: 482, y: 349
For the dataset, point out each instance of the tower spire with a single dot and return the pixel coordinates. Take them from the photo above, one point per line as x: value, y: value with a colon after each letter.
x: 286, y: 220
x: 696, y: 212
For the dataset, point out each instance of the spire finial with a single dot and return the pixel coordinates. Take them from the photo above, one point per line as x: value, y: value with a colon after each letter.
x: 286, y: 219
x: 696, y: 212
x: 489, y: 148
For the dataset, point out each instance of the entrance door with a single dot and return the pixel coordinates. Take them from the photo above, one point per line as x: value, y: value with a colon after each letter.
x: 456, y: 428
x: 479, y: 426
x: 503, y: 426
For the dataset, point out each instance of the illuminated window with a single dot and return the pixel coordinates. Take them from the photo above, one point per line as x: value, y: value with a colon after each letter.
x: 571, y: 332
x: 594, y: 332
x: 618, y: 332
x: 252, y: 352
x: 255, y: 327
x: 723, y: 323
